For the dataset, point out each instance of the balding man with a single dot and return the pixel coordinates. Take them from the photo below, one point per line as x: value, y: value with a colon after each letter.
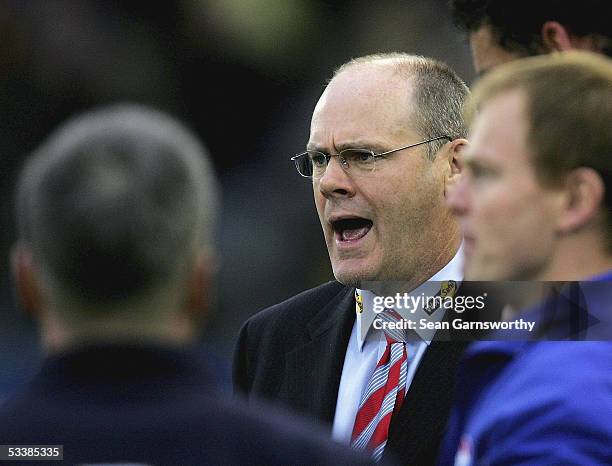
x: 384, y: 147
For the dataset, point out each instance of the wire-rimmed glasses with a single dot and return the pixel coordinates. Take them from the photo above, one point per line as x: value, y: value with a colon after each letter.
x: 312, y: 163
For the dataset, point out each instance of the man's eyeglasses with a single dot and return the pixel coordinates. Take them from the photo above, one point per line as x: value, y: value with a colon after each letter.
x: 312, y: 163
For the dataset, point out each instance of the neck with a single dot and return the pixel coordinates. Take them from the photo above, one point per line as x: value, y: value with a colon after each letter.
x: 578, y: 258
x: 424, y: 269
x: 438, y: 258
x: 58, y: 336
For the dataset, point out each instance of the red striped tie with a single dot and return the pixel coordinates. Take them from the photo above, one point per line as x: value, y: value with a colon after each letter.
x: 383, y: 397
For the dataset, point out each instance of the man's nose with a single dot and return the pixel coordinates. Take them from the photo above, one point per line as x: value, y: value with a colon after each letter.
x: 336, y: 180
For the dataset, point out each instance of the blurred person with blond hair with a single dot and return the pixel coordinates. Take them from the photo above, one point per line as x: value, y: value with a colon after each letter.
x: 535, y: 204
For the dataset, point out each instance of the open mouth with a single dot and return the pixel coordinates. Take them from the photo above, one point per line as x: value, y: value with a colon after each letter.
x: 351, y: 229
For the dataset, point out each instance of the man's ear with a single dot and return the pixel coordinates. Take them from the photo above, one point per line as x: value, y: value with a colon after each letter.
x: 455, y: 162
x: 27, y: 284
x: 585, y: 190
x: 555, y: 37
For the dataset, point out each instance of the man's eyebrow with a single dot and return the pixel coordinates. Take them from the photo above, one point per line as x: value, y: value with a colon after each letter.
x: 468, y: 160
x: 363, y: 144
x: 358, y: 144
x: 310, y: 146
x: 482, y: 73
x: 472, y: 163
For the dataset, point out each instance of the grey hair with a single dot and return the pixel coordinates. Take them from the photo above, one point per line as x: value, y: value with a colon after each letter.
x: 116, y: 201
x: 438, y: 94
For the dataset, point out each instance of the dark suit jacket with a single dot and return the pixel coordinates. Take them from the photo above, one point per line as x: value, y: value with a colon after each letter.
x: 154, y: 406
x: 293, y: 353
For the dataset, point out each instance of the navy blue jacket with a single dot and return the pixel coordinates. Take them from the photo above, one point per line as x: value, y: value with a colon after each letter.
x: 154, y: 406
x: 536, y: 403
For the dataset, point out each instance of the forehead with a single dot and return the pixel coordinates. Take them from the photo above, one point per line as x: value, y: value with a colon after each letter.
x: 365, y: 101
x: 486, y: 53
x: 499, y: 131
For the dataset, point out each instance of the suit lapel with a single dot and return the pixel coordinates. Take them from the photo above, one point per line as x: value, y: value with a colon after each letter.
x: 314, y: 369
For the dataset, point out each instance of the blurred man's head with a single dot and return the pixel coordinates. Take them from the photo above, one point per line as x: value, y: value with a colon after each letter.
x: 534, y: 202
x: 503, y: 30
x: 385, y: 218
x: 116, y: 214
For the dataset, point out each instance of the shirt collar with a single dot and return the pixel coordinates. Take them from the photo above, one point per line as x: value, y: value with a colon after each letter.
x: 451, y: 271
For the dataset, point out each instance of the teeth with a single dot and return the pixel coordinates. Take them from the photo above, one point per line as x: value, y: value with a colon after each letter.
x: 352, y: 229
x: 355, y: 234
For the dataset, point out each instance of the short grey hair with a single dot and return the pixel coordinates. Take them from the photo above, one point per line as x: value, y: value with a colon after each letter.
x: 115, y: 202
x: 438, y: 94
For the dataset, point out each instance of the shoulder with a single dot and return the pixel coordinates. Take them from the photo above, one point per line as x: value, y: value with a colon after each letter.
x: 274, y: 437
x: 281, y: 329
x: 297, y: 309
x: 550, y: 389
x: 569, y: 364
x: 550, y: 394
x: 206, y: 427
x: 563, y: 375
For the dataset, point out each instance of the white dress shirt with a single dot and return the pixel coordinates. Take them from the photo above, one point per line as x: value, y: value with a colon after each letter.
x: 367, y: 345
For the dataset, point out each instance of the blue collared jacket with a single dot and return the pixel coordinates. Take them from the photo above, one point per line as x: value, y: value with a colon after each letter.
x: 535, y: 403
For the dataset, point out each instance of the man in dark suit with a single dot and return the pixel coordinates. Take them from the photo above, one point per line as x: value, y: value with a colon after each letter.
x: 384, y: 147
x: 115, y: 260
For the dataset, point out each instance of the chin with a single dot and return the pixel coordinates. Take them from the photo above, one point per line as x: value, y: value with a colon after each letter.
x: 487, y: 273
x: 353, y: 277
x: 475, y: 272
x: 348, y: 277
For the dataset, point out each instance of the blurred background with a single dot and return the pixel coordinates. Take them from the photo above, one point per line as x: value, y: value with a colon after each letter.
x: 244, y: 75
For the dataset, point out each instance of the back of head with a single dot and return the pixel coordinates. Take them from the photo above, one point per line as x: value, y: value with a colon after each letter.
x: 516, y: 25
x: 568, y: 108
x: 114, y: 207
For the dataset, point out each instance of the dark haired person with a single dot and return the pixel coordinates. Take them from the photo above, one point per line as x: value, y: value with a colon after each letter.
x: 504, y: 30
